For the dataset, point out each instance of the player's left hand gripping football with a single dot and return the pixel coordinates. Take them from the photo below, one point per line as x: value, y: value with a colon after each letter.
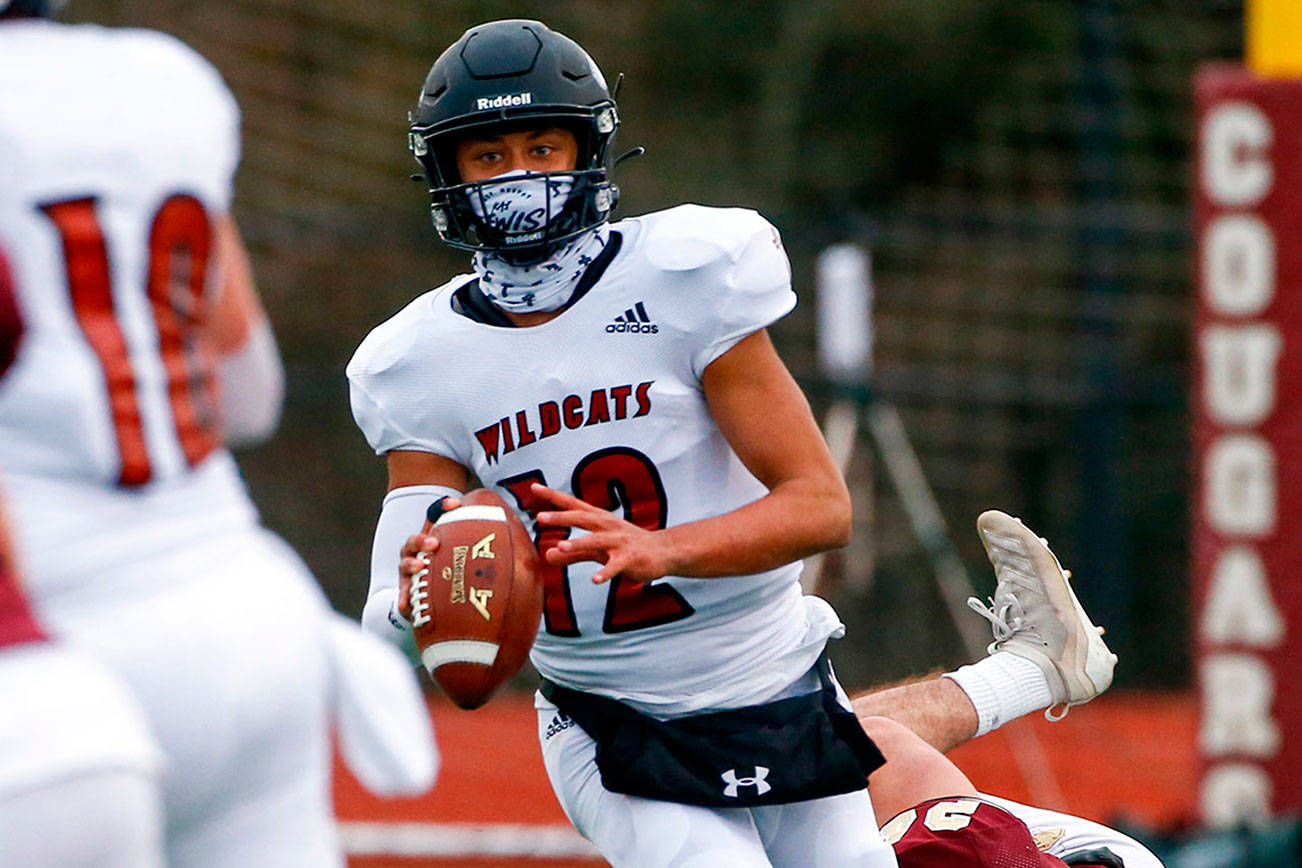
x: 416, y: 553
x: 620, y: 546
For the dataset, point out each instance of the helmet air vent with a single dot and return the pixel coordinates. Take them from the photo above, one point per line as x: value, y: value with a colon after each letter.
x: 498, y: 54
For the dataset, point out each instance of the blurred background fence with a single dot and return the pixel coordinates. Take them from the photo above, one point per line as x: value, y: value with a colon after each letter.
x: 1018, y: 168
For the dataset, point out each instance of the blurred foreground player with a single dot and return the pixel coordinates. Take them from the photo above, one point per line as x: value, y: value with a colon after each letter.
x: 617, y: 383
x: 73, y: 743
x: 145, y: 349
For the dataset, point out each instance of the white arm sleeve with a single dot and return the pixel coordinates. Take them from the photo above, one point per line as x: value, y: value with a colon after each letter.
x: 401, y: 515
x: 253, y: 388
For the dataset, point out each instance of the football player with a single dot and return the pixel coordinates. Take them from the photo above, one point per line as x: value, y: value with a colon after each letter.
x: 662, y: 452
x: 929, y: 810
x: 73, y: 743
x: 933, y: 816
x: 146, y: 349
x: 617, y: 383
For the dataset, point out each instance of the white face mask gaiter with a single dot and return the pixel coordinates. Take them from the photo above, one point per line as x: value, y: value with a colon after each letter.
x: 546, y: 285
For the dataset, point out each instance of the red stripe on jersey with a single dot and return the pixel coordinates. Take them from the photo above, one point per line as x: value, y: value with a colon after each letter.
x: 964, y: 832
x: 11, y: 322
x: 180, y: 242
x: 91, y: 290
x: 17, y: 623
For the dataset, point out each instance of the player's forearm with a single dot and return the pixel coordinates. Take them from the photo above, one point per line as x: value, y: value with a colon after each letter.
x: 253, y: 388
x: 793, y: 521
x: 252, y: 374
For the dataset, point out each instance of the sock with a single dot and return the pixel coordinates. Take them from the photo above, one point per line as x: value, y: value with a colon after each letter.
x: 1003, y: 687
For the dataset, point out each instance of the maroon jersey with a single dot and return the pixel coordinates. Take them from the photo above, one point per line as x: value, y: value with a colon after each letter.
x: 963, y: 833
x: 16, y: 621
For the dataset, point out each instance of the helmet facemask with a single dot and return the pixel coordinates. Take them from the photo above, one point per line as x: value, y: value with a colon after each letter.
x: 571, y: 201
x: 31, y: 8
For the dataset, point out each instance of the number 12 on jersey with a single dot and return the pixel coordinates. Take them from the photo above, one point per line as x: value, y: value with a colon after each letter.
x: 612, y: 478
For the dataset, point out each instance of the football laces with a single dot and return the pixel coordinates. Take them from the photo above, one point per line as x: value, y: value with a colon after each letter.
x: 419, y: 596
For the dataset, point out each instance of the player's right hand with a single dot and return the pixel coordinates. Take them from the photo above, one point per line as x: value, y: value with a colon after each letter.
x: 416, y: 552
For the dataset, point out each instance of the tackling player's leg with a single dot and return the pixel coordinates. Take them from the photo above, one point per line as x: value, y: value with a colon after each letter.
x: 1046, y: 654
x: 914, y: 771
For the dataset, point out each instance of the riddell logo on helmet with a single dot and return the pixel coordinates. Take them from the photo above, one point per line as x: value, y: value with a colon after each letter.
x: 506, y: 100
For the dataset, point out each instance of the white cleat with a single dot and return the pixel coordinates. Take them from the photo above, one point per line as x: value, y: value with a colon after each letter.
x: 1035, y: 614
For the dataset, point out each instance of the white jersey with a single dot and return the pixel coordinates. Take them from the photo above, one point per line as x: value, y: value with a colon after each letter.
x: 1064, y: 835
x: 117, y: 151
x: 605, y: 402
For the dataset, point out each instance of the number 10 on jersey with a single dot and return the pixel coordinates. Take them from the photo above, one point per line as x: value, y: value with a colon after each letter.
x: 180, y: 243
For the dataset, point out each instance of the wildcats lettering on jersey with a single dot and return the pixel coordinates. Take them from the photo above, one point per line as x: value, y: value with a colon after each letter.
x: 609, y: 404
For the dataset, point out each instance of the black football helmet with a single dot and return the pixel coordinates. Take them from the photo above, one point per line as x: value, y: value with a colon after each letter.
x: 31, y: 8
x: 514, y: 74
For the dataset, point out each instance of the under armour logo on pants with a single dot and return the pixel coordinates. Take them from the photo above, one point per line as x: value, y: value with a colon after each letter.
x: 733, y: 782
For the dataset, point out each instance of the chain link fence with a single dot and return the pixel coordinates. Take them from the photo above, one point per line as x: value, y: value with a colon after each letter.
x: 1019, y: 170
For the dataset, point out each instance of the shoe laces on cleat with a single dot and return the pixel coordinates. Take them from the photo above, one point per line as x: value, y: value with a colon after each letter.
x: 1006, y: 617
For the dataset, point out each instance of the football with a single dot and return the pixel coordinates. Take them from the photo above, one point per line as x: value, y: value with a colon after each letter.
x: 476, y: 610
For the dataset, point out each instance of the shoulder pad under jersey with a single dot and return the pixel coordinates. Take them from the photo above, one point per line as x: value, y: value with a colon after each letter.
x: 390, y: 371
x: 689, y: 237
x: 725, y: 271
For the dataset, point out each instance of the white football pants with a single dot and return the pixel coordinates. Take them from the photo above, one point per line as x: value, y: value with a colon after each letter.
x: 227, y: 652
x: 98, y: 819
x: 78, y: 769
x: 631, y: 832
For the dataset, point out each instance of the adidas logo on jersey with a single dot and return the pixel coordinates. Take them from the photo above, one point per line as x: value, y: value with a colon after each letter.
x: 506, y: 100
x: 634, y: 320
x: 559, y: 724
